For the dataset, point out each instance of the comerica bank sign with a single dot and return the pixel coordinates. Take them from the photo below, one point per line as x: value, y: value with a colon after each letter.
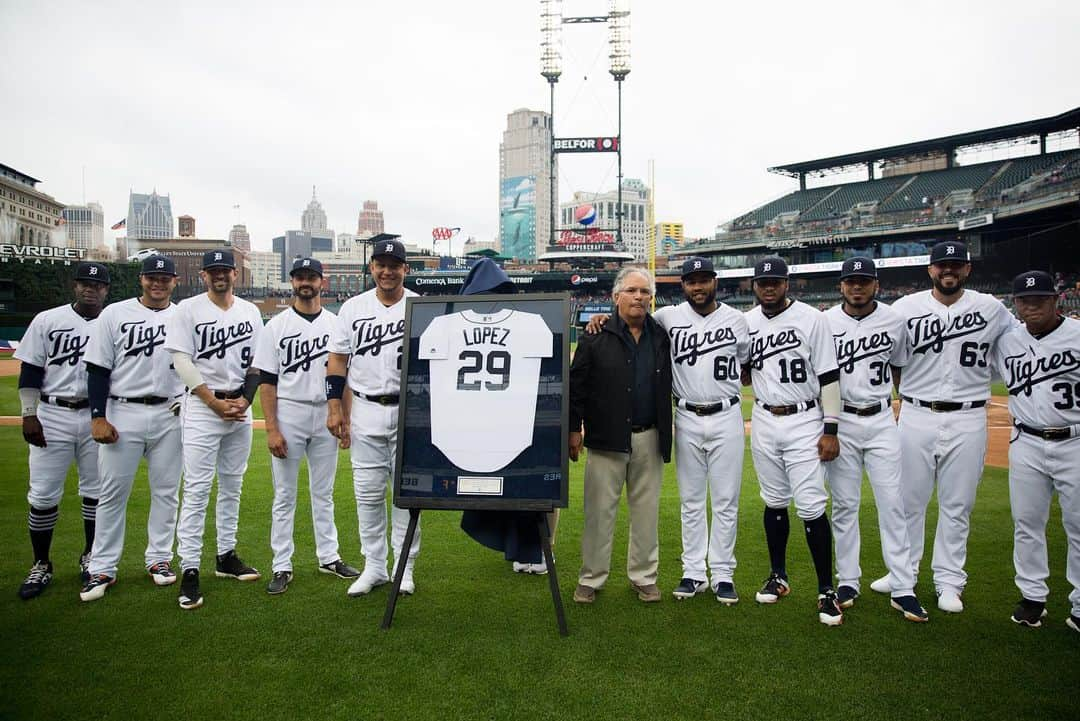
x: 39, y: 254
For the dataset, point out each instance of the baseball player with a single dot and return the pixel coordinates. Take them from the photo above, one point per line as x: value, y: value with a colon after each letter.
x: 134, y: 403
x: 212, y: 338
x: 367, y: 344
x: 1040, y: 364
x: 792, y: 365
x: 869, y: 338
x: 951, y: 334
x: 291, y: 357
x: 56, y: 418
x: 709, y: 343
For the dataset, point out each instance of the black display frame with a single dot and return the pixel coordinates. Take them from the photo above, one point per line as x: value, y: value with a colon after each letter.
x: 419, y: 311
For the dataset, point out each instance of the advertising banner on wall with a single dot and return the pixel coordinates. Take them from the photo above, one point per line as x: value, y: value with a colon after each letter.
x: 517, y: 216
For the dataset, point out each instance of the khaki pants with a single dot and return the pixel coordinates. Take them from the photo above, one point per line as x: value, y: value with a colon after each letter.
x: 641, y: 471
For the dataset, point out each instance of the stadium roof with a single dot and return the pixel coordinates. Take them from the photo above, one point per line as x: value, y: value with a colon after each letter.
x: 1069, y: 120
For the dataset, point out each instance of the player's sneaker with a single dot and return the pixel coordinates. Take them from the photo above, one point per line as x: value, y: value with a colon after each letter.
x: 725, y: 593
x: 689, y: 587
x: 84, y: 567
x: 279, y: 583
x: 911, y: 608
x: 162, y: 574
x: 949, y: 601
x: 95, y: 588
x: 35, y: 582
x: 408, y: 585
x: 646, y: 592
x: 368, y: 580
x: 828, y: 608
x: 774, y: 588
x: 846, y: 595
x: 190, y: 596
x: 1029, y: 613
x: 1073, y: 622
x: 584, y: 594
x: 536, y: 569
x: 340, y: 569
x: 882, y: 585
x: 229, y: 565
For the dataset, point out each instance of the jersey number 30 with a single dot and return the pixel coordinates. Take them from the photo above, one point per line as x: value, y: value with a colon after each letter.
x: 497, y: 363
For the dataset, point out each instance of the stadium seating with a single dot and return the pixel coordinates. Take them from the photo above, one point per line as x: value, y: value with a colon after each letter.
x: 849, y: 195
x: 800, y: 200
x: 939, y: 183
x: 1020, y: 169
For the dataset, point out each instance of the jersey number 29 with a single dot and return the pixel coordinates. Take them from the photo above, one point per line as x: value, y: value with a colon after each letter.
x: 497, y: 363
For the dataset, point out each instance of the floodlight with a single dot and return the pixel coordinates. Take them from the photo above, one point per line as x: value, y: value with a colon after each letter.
x: 619, y: 38
x: 551, y: 39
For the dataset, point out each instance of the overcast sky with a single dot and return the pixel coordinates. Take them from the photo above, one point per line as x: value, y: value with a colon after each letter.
x: 405, y: 103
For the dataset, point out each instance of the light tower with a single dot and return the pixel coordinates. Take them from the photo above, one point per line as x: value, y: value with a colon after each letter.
x: 551, y: 22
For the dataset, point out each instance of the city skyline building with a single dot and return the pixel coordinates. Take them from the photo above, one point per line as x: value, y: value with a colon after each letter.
x: 85, y: 226
x: 185, y: 226
x: 524, y: 188
x: 265, y: 267
x: 239, y: 237
x: 300, y: 244
x: 370, y: 222
x: 27, y: 215
x: 314, y: 217
x: 149, y: 216
x: 636, y: 198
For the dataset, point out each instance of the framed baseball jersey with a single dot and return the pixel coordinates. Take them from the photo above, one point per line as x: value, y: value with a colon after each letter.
x: 483, y: 406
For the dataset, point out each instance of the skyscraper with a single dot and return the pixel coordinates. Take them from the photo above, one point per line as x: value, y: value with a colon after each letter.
x: 239, y: 237
x: 149, y: 216
x: 370, y: 221
x: 314, y: 217
x: 524, y: 185
x: 85, y: 226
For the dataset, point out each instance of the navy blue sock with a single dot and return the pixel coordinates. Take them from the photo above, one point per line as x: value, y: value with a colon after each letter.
x: 819, y: 539
x: 777, y: 529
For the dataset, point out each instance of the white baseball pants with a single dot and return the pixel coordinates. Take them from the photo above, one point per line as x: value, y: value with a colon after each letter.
x: 708, y: 463
x: 871, y: 442
x: 786, y: 460
x: 947, y: 449
x: 1037, y: 468
x: 210, y: 444
x: 374, y: 448
x: 68, y: 440
x: 303, y: 426
x: 154, y: 432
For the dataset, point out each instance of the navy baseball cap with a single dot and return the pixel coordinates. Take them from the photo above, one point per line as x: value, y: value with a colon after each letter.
x: 949, y: 250
x: 1033, y: 282
x: 306, y: 264
x: 393, y: 248
x: 158, y: 265
x: 697, y: 264
x: 771, y: 267
x: 857, y: 266
x: 92, y: 271
x: 218, y: 259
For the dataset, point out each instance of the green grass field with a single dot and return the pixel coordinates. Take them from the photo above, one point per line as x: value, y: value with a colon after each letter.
x: 479, y: 642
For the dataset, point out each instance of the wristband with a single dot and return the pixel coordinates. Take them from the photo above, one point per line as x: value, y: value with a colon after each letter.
x: 335, y: 387
x: 29, y: 398
x: 831, y: 428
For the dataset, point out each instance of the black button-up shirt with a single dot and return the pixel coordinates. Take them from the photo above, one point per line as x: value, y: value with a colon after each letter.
x: 642, y: 360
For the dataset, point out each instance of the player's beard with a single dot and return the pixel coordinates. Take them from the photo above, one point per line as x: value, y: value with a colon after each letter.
x: 706, y: 304
x: 948, y: 291
x: 299, y: 292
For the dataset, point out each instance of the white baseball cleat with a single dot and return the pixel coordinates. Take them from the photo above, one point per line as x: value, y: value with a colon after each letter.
x: 369, y: 579
x: 882, y: 585
x: 408, y: 585
x: 536, y: 569
x: 949, y: 601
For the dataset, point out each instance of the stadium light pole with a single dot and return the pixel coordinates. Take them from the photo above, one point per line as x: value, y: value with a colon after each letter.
x: 551, y: 69
x: 619, y: 67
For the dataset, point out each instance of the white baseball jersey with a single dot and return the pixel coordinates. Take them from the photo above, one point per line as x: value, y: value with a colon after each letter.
x: 1042, y: 374
x: 56, y: 340
x: 950, y: 345
x: 865, y: 348
x: 296, y: 350
x: 485, y: 369
x: 130, y: 342
x: 371, y: 334
x: 221, y: 342
x: 788, y: 352
x: 707, y: 352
